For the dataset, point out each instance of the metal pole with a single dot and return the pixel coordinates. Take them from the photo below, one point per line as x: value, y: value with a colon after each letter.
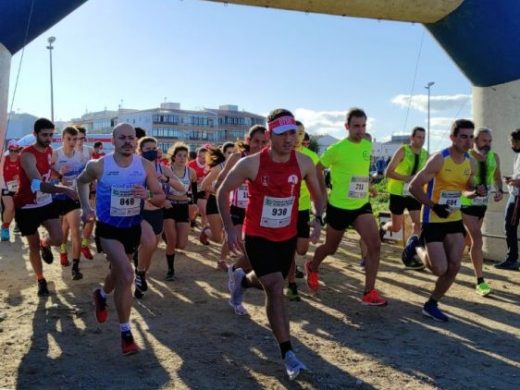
x: 428, y: 87
x: 50, y: 47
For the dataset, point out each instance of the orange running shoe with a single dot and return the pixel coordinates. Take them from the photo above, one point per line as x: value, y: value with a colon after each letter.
x: 101, y: 306
x: 312, y: 278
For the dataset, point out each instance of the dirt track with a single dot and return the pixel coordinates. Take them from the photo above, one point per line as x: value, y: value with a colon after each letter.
x: 191, y: 339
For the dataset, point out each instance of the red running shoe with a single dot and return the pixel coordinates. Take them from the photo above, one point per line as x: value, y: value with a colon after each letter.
x: 128, y: 345
x: 312, y: 278
x: 372, y: 298
x: 101, y: 306
x: 64, y: 260
x: 87, y: 254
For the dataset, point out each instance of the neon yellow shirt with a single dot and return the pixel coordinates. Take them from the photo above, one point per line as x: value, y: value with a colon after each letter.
x: 405, y: 167
x: 349, y: 165
x: 491, y: 166
x: 304, y: 202
x: 446, y: 188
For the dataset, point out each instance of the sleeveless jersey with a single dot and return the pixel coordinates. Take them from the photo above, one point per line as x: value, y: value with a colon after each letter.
x: 75, y: 166
x: 272, y: 212
x: 304, y: 203
x: 115, y: 204
x: 25, y: 198
x: 11, y: 174
x: 199, y: 170
x: 349, y: 165
x: 485, y: 175
x: 405, y: 168
x: 186, y: 182
x: 446, y: 188
x: 240, y: 196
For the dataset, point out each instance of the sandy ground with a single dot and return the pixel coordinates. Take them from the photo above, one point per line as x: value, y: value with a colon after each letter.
x: 191, y: 339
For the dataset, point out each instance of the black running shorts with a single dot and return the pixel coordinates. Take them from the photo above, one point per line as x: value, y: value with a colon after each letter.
x: 269, y: 257
x: 437, y: 231
x: 129, y: 237
x: 155, y: 219
x: 211, y: 205
x: 399, y: 203
x: 28, y: 220
x: 340, y: 219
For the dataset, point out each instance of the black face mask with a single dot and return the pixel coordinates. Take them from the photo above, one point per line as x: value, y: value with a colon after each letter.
x: 516, y: 150
x: 150, y: 155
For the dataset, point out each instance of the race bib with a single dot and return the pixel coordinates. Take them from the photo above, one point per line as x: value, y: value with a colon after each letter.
x: 12, y: 186
x: 123, y: 203
x: 450, y: 198
x: 480, y: 200
x: 358, y: 188
x: 69, y: 180
x: 43, y: 198
x: 276, y: 212
x: 406, y: 189
x: 242, y: 196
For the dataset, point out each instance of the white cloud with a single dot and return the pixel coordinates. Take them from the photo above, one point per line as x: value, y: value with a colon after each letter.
x: 325, y: 122
x: 437, y: 103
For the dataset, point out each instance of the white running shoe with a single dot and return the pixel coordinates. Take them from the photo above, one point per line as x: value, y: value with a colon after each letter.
x: 293, y: 366
x: 240, y: 310
x: 235, y: 286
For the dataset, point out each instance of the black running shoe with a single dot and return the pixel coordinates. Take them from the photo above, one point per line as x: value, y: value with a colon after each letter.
x: 138, y: 294
x: 43, y: 291
x: 298, y: 273
x: 170, y: 275
x: 46, y: 254
x: 76, y: 274
x: 140, y: 281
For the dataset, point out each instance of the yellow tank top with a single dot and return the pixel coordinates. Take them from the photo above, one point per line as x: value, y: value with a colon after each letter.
x: 446, y: 188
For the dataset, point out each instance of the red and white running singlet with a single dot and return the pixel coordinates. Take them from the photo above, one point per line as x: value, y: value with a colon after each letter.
x: 11, y: 174
x: 272, y: 212
x: 200, y: 170
x: 25, y: 198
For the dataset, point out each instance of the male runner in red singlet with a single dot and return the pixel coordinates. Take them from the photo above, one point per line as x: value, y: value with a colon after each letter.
x: 274, y: 177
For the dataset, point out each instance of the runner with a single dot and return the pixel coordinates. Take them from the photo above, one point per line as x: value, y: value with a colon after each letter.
x: 121, y: 180
x: 448, y: 174
x: 215, y: 161
x: 98, y: 150
x: 33, y: 201
x: 152, y: 223
x: 67, y: 166
x: 270, y: 224
x: 255, y: 141
x: 348, y: 204
x: 85, y: 153
x: 199, y: 166
x: 473, y: 210
x: 11, y: 174
x: 405, y: 163
x: 304, y: 215
x: 176, y: 211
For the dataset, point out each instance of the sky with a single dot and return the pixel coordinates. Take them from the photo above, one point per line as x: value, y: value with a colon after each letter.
x: 137, y: 54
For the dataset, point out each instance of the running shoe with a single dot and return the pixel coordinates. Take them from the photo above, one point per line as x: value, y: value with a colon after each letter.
x: 140, y: 281
x: 138, y: 294
x: 415, y: 264
x: 292, y: 293
x: 298, y: 273
x: 101, y: 306
x: 235, y: 287
x: 509, y: 265
x: 170, y: 275
x: 64, y: 260
x: 293, y: 366
x: 372, y: 298
x: 240, y: 310
x: 43, y: 291
x: 203, y: 237
x: 312, y: 278
x: 432, y: 311
x: 483, y: 289
x: 409, y: 249
x: 128, y: 345
x: 87, y: 254
x: 46, y: 253
x: 76, y: 274
x: 5, y: 234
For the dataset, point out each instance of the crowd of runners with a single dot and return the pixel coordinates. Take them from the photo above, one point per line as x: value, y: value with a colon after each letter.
x: 262, y: 200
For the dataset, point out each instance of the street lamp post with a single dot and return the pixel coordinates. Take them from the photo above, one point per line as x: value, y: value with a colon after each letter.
x: 428, y: 87
x: 50, y: 47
